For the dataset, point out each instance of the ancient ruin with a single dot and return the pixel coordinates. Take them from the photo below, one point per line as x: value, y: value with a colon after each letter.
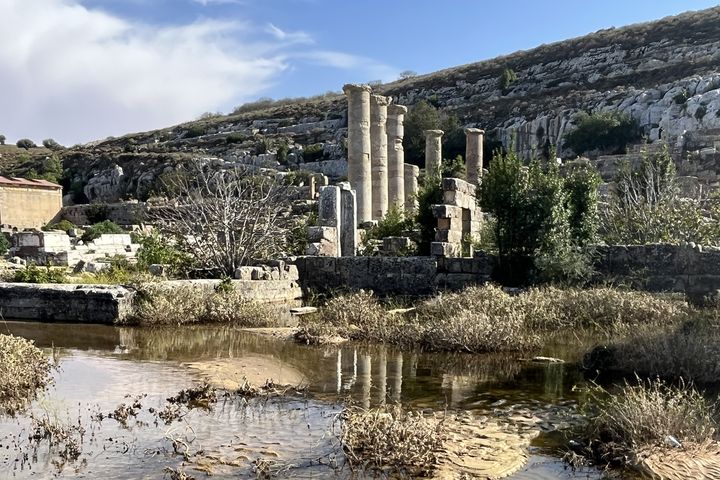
x: 412, y: 172
x: 396, y: 155
x: 433, y: 152
x: 474, y: 154
x: 28, y: 203
x: 359, y: 148
x: 379, y: 156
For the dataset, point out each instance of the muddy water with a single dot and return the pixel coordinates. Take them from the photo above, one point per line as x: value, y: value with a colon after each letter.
x: 101, y: 367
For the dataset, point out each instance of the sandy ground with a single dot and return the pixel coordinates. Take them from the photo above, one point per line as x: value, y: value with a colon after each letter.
x: 232, y: 373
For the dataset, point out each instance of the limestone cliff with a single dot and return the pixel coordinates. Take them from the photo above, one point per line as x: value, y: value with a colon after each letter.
x: 665, y: 74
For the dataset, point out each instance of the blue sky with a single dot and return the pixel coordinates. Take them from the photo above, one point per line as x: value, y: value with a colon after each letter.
x: 79, y: 70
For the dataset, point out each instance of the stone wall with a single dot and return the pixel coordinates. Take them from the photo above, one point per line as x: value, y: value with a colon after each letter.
x: 65, y: 303
x: 693, y: 270
x: 28, y: 206
x: 392, y: 275
x: 125, y: 213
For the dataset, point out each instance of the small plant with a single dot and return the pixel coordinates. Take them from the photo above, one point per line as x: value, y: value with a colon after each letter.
x: 35, y: 274
x: 313, y: 153
x: 63, y: 225
x: 4, y: 244
x: 98, y: 229
x: 700, y: 112
x: 158, y: 250
x: 97, y: 212
x: 51, y: 144
x: 681, y: 97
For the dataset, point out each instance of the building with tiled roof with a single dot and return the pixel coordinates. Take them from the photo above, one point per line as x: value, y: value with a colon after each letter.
x: 26, y: 203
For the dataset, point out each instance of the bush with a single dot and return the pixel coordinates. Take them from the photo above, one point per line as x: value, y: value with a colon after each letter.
x: 647, y: 208
x: 534, y: 223
x: 313, y: 153
x: 393, y: 224
x: 25, y: 143
x: 604, y: 131
x: 98, y: 229
x: 23, y: 370
x: 4, y: 244
x: 51, y: 144
x: 506, y: 79
x: 63, y: 225
x: 2, y: 139
x: 34, y: 274
x: 156, y: 249
x: 97, y: 212
x: 196, y: 130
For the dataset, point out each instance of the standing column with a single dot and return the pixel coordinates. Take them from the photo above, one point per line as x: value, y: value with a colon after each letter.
x: 474, y: 154
x: 379, y: 157
x: 359, y: 169
x: 396, y: 155
x: 412, y: 172
x: 433, y: 152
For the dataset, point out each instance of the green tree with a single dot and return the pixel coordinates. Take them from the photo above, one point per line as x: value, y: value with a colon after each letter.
x: 4, y: 244
x: 581, y: 185
x: 2, y: 139
x: 51, y: 144
x: 506, y: 79
x: 423, y: 116
x: 605, y: 131
x: 25, y: 143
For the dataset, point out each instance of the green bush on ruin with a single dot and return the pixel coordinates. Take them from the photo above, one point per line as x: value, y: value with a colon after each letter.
x: 98, y: 229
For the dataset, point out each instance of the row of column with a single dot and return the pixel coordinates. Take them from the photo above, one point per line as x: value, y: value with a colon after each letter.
x: 376, y: 160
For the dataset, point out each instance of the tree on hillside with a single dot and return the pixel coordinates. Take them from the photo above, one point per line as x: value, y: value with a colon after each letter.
x: 225, y: 218
x: 25, y: 143
x: 52, y: 144
x: 423, y: 116
x: 2, y: 139
x: 404, y: 75
x: 506, y: 79
x: 609, y: 132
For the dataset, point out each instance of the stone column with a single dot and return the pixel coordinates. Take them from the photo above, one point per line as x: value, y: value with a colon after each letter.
x: 348, y: 222
x: 412, y: 172
x: 433, y: 152
x: 474, y: 154
x: 359, y: 169
x: 379, y: 156
x: 396, y: 155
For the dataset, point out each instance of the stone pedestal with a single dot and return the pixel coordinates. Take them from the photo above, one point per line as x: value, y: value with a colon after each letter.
x: 412, y: 172
x: 396, y: 155
x: 379, y: 156
x: 474, y: 154
x: 433, y: 152
x: 359, y: 147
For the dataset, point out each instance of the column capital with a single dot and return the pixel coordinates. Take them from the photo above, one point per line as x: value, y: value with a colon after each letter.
x: 474, y: 131
x: 349, y: 88
x: 380, y: 100
x: 395, y: 109
x: 433, y: 133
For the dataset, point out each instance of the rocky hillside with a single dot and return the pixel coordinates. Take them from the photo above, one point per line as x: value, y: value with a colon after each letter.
x: 665, y: 74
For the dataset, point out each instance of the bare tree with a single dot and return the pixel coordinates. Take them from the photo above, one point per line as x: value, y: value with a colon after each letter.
x: 224, y: 218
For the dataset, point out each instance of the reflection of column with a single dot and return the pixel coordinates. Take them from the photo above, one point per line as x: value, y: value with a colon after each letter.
x: 396, y: 155
x: 433, y: 152
x: 359, y: 169
x: 365, y: 379
x: 379, y: 157
x: 398, y: 377
x: 382, y: 376
x: 338, y: 370
x: 474, y: 154
x: 412, y: 172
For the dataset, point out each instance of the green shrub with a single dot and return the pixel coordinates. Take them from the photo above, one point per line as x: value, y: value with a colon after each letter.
x: 35, y: 274
x: 424, y: 116
x: 2, y: 139
x: 235, y: 138
x: 63, y: 225
x: 97, y: 212
x: 506, y: 79
x: 454, y: 168
x: 51, y: 144
x: 681, y: 97
x: 700, y: 112
x: 605, y: 131
x: 25, y: 143
x: 535, y: 219
x: 98, y: 229
x: 4, y: 244
x: 313, y: 153
x: 196, y: 130
x: 156, y: 249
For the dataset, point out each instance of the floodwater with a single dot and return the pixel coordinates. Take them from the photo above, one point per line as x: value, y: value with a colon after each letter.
x: 289, y: 436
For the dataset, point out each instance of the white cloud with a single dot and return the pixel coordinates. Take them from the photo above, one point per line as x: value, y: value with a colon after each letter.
x: 205, y: 3
x: 76, y: 74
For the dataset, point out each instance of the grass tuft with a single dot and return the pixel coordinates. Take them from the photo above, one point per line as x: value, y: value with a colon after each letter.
x: 23, y: 370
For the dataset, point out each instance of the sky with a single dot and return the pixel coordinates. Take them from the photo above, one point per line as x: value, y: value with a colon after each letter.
x: 82, y: 70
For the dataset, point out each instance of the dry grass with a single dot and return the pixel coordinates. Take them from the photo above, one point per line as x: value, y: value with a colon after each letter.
x: 391, y: 439
x: 158, y: 305
x: 646, y: 414
x: 689, y: 351
x: 23, y: 370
